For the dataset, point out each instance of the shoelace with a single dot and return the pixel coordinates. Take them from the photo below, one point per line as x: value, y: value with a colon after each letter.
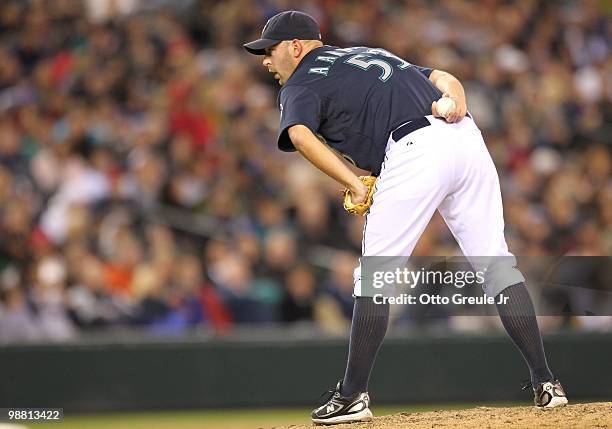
x: 527, y: 384
x: 326, y: 396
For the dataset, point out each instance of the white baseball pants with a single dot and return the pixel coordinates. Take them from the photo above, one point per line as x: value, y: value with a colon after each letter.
x: 444, y: 167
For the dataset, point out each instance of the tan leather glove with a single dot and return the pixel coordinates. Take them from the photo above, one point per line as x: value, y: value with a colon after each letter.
x: 362, y: 208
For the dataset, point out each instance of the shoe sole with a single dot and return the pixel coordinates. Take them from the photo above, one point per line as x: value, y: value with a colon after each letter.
x: 361, y: 416
x: 557, y: 401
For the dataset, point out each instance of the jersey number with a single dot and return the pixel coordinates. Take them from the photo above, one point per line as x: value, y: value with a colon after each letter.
x: 364, y: 62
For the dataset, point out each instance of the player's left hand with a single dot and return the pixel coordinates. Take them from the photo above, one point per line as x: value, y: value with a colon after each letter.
x: 359, y: 196
x: 359, y: 200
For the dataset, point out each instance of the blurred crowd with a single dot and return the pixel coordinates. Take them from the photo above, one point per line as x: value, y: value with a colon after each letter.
x: 140, y: 183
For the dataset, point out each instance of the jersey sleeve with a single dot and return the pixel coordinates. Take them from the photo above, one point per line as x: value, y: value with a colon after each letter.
x: 425, y: 70
x: 298, y: 105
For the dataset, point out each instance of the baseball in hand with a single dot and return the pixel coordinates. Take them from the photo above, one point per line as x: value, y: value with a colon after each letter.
x: 445, y: 105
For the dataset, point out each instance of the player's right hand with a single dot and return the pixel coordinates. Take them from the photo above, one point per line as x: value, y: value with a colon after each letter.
x: 454, y: 115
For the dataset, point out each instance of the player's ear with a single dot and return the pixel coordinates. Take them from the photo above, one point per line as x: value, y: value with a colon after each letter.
x: 296, y: 48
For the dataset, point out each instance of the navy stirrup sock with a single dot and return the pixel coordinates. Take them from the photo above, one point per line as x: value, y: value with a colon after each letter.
x: 368, y: 329
x: 519, y: 320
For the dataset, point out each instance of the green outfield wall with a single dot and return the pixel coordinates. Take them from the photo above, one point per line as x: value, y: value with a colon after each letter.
x: 237, y: 373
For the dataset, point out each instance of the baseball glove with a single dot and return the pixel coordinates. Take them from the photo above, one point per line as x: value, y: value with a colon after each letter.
x: 362, y: 208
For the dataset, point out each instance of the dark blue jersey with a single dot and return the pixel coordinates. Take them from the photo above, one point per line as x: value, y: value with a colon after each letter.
x: 353, y: 98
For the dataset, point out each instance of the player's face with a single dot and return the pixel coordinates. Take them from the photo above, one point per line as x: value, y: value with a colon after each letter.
x: 278, y: 60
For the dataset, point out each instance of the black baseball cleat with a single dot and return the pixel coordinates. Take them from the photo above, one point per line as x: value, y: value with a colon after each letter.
x: 337, y: 409
x: 548, y: 394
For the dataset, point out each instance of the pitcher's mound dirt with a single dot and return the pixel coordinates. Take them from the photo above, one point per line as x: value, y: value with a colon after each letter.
x: 594, y: 415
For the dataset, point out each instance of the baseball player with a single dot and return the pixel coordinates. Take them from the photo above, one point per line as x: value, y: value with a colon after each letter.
x: 383, y: 114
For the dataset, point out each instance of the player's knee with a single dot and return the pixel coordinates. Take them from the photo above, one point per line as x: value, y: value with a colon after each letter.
x: 501, y: 275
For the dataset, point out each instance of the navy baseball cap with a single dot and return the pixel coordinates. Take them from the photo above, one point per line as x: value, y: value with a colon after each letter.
x: 286, y: 25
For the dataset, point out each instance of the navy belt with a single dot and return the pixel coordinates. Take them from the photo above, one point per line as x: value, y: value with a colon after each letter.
x: 412, y: 126
x: 409, y: 127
